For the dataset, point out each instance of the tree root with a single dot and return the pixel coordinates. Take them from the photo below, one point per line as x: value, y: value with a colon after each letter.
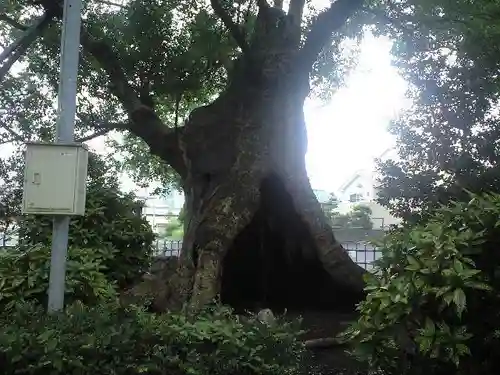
x: 323, y: 343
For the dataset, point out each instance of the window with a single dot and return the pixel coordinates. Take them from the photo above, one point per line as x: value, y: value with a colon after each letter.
x: 355, y: 198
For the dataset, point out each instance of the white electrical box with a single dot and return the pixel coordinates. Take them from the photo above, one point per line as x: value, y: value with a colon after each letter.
x: 55, y: 179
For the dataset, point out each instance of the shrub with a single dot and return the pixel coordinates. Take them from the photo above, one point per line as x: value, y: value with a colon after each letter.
x: 112, y: 222
x: 24, y: 276
x: 116, y: 340
x: 433, y: 306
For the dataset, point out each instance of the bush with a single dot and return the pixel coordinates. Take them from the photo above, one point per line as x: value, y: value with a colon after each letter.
x: 112, y: 222
x: 433, y: 306
x: 116, y: 340
x: 24, y: 276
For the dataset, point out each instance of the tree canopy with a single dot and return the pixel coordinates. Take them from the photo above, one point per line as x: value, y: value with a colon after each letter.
x: 177, y: 55
x: 169, y: 55
x: 448, y: 139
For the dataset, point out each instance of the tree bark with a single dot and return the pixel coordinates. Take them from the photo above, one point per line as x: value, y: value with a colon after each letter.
x: 242, y: 154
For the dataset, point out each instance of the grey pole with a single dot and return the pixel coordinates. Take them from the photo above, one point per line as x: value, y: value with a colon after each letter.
x: 70, y: 45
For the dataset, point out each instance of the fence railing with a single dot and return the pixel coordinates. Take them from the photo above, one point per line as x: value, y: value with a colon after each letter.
x: 362, y: 253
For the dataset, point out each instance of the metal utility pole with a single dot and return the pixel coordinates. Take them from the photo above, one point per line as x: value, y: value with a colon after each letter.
x: 70, y: 46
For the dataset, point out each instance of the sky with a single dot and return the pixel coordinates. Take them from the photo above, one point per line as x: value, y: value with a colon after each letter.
x: 346, y: 134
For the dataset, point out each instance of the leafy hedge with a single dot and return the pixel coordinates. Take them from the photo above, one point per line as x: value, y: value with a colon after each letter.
x: 434, y: 304
x: 24, y: 276
x: 112, y: 223
x: 114, y: 340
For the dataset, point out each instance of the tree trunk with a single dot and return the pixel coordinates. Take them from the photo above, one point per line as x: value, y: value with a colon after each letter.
x: 249, y: 203
x: 255, y: 231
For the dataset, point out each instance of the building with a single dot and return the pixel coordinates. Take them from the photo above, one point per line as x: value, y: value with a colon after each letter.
x: 323, y: 196
x: 159, y: 211
x: 361, y: 189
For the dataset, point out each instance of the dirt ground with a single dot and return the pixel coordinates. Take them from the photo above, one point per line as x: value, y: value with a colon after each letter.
x: 328, y: 361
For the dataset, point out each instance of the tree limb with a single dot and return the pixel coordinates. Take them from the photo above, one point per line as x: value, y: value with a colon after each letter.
x: 113, y: 4
x: 17, y: 49
x: 323, y: 27
x: 97, y: 134
x: 144, y: 122
x: 15, y: 135
x: 322, y: 343
x: 12, y: 22
x: 263, y: 4
x: 234, y: 29
x: 295, y: 11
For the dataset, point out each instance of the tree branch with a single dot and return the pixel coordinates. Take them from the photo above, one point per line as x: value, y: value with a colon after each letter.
x: 322, y: 343
x: 97, y: 134
x: 323, y: 27
x: 12, y: 22
x: 110, y: 63
x: 17, y: 49
x: 15, y: 135
x: 234, y: 29
x: 110, y: 3
x: 295, y: 11
x: 144, y: 122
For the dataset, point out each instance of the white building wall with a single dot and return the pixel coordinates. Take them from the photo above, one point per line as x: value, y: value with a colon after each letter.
x: 364, y: 183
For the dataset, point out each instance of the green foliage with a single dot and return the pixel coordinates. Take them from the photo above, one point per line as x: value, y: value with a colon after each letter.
x: 112, y: 223
x: 433, y: 304
x: 175, y: 55
x: 174, y: 229
x: 24, y: 276
x: 359, y: 217
x: 446, y: 139
x: 113, y: 340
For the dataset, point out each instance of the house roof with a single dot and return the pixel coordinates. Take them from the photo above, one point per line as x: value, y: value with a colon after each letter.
x: 351, y: 180
x: 359, y: 173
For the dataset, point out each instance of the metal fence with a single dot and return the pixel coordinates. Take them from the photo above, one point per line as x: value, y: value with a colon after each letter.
x: 362, y: 253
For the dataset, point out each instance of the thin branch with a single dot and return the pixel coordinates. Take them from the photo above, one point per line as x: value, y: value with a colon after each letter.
x: 325, y: 24
x: 103, y: 129
x: 14, y: 52
x: 5, y: 141
x: 110, y: 3
x: 234, y: 29
x: 403, y: 21
x: 15, y: 135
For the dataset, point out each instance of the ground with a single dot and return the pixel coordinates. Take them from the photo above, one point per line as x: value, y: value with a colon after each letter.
x: 327, y: 361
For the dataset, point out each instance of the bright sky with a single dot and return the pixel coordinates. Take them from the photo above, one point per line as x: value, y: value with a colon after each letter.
x: 347, y: 133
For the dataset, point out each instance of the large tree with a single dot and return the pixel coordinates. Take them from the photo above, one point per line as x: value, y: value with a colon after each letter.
x: 448, y: 140
x: 239, y: 73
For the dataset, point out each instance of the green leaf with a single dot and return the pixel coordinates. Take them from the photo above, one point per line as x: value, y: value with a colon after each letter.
x: 459, y: 300
x: 430, y: 328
